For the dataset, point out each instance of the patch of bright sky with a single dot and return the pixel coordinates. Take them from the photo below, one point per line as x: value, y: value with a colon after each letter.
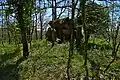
x: 2, y: 0
x: 49, y: 10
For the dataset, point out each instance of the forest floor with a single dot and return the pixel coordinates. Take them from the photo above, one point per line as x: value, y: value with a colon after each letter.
x: 43, y: 63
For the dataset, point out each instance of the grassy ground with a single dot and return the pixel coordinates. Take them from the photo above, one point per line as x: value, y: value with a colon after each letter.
x: 43, y: 63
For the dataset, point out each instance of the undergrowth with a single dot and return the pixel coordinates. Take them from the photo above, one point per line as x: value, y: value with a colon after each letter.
x: 46, y: 63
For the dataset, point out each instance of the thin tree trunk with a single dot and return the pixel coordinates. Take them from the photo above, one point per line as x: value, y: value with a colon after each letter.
x: 68, y: 65
x: 54, y: 14
x: 41, y: 22
x: 71, y: 43
x: 9, y: 37
x: 55, y: 9
x: 28, y: 33
x: 31, y: 33
x: 52, y: 9
x: 2, y: 28
x: 86, y: 37
x: 15, y: 36
x: 68, y: 9
x: 36, y: 27
x: 7, y: 20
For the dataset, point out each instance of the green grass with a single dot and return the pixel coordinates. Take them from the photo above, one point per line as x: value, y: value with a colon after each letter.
x: 45, y: 63
x: 97, y: 43
x: 9, y: 57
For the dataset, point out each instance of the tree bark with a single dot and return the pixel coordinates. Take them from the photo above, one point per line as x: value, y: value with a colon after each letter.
x: 41, y: 21
x: 2, y: 28
x: 68, y: 9
x: 54, y: 14
x: 41, y: 25
x: 7, y: 20
x: 31, y: 33
x: 9, y: 37
x: 86, y: 37
x: 36, y: 27
x: 71, y: 43
x: 23, y: 29
x: 25, y: 44
x: 55, y: 9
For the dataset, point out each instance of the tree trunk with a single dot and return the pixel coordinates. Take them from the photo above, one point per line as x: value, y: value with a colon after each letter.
x: 28, y: 34
x: 71, y: 43
x: 9, y: 37
x: 54, y: 14
x: 36, y: 27
x: 68, y: 9
x: 55, y: 9
x: 86, y: 37
x: 31, y: 32
x: 2, y: 28
x: 79, y: 37
x: 7, y: 20
x: 23, y: 29
x: 41, y: 25
x: 25, y: 44
x: 41, y: 22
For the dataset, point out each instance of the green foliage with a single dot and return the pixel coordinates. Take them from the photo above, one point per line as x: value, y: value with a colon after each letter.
x: 46, y: 63
x: 27, y: 6
x: 96, y: 18
x: 14, y: 32
x: 9, y: 55
x: 99, y: 44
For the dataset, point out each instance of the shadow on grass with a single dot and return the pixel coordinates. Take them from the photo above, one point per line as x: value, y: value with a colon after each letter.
x: 10, y: 71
